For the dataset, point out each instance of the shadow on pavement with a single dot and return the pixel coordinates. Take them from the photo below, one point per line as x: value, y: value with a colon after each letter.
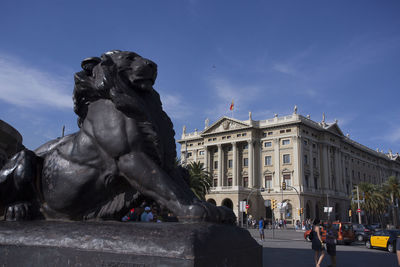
x: 276, y: 257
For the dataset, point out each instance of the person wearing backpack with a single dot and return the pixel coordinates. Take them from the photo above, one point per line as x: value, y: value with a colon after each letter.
x: 317, y: 244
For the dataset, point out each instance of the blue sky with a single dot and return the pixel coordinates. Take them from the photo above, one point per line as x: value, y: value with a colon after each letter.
x: 337, y: 57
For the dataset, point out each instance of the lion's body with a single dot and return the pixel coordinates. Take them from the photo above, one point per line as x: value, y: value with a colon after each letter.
x: 125, y: 145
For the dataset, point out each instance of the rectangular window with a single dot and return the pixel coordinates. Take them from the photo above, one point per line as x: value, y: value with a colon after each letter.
x: 201, y: 152
x: 305, y: 159
x: 215, y: 182
x: 268, y: 160
x: 281, y: 131
x: 244, y: 134
x: 305, y: 142
x: 306, y: 178
x: 286, y: 142
x: 286, y: 158
x: 238, y: 135
x: 245, y: 146
x: 215, y: 164
x: 264, y: 134
x: 228, y: 137
x: 316, y: 182
x: 267, y: 144
x: 189, y: 154
x: 229, y: 181
x: 214, y: 139
x: 286, y: 179
x: 230, y: 163
x: 245, y: 181
x: 314, y: 162
x: 245, y: 162
x: 288, y: 130
x: 270, y: 133
x: 268, y: 181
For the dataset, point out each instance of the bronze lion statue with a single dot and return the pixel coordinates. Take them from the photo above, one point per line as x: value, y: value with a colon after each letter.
x: 125, y: 148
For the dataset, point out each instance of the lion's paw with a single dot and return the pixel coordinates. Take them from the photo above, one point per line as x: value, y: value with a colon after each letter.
x: 18, y: 212
x: 204, y: 211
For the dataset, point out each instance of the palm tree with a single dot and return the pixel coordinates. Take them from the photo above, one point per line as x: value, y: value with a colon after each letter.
x: 392, y: 189
x: 200, y: 180
x: 374, y: 200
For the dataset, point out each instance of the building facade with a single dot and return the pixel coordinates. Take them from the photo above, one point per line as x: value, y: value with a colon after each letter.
x: 249, y: 160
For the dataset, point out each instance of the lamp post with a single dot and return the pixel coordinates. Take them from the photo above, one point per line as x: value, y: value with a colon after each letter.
x: 297, y: 192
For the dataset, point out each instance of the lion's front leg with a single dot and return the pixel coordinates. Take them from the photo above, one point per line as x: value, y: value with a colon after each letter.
x: 149, y: 179
x: 17, y: 190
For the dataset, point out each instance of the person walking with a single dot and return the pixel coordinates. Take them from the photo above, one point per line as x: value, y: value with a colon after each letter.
x: 331, y: 236
x: 317, y: 244
x: 261, y: 228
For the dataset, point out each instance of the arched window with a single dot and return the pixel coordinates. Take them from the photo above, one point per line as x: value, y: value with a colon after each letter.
x: 289, y: 211
x: 212, y: 201
x: 227, y: 203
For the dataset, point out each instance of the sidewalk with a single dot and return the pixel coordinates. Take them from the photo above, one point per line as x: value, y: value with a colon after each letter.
x: 284, y: 234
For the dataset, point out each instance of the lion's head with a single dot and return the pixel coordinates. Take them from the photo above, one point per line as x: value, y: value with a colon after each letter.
x: 115, y: 72
x: 127, y: 79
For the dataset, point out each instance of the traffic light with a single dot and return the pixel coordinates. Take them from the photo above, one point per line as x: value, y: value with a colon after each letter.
x: 247, y: 206
x: 273, y: 204
x: 301, y: 211
x: 349, y: 213
x: 283, y: 185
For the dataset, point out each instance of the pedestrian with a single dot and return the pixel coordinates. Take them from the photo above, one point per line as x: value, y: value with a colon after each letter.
x: 261, y: 228
x: 146, y: 216
x: 317, y: 244
x: 331, y: 236
x: 284, y: 223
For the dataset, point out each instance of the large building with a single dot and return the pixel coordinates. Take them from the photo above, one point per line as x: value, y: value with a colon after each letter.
x: 318, y: 163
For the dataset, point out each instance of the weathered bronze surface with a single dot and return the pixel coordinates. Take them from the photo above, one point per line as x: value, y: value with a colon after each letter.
x: 125, y: 147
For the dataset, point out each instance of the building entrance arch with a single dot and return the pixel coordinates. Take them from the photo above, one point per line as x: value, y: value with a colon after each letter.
x: 212, y: 201
x: 227, y: 203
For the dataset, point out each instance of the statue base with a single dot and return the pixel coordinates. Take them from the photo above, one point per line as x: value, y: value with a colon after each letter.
x: 59, y: 243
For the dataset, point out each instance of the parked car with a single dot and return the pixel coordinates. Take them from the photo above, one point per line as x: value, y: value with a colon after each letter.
x: 361, y: 231
x: 344, y: 229
x: 383, y: 239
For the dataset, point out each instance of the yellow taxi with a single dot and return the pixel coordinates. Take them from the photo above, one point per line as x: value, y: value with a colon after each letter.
x: 383, y: 239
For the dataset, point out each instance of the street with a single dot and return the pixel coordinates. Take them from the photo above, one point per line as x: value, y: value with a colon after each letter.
x: 290, y: 249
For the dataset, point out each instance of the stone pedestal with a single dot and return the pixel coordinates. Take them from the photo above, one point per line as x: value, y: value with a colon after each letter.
x: 55, y: 243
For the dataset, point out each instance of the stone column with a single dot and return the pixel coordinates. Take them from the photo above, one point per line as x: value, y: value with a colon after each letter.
x: 325, y: 167
x: 251, y: 163
x: 220, y: 158
x: 277, y: 160
x: 338, y: 171
x: 311, y: 164
x: 206, y: 160
x: 297, y: 162
x: 195, y: 154
x: 234, y: 164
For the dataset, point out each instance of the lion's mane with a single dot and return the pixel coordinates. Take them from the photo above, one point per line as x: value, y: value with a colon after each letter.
x: 106, y: 79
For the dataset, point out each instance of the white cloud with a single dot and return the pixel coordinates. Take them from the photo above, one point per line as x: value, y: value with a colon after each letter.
x: 226, y: 91
x: 175, y: 107
x: 394, y: 136
x: 30, y: 87
x: 285, y: 68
